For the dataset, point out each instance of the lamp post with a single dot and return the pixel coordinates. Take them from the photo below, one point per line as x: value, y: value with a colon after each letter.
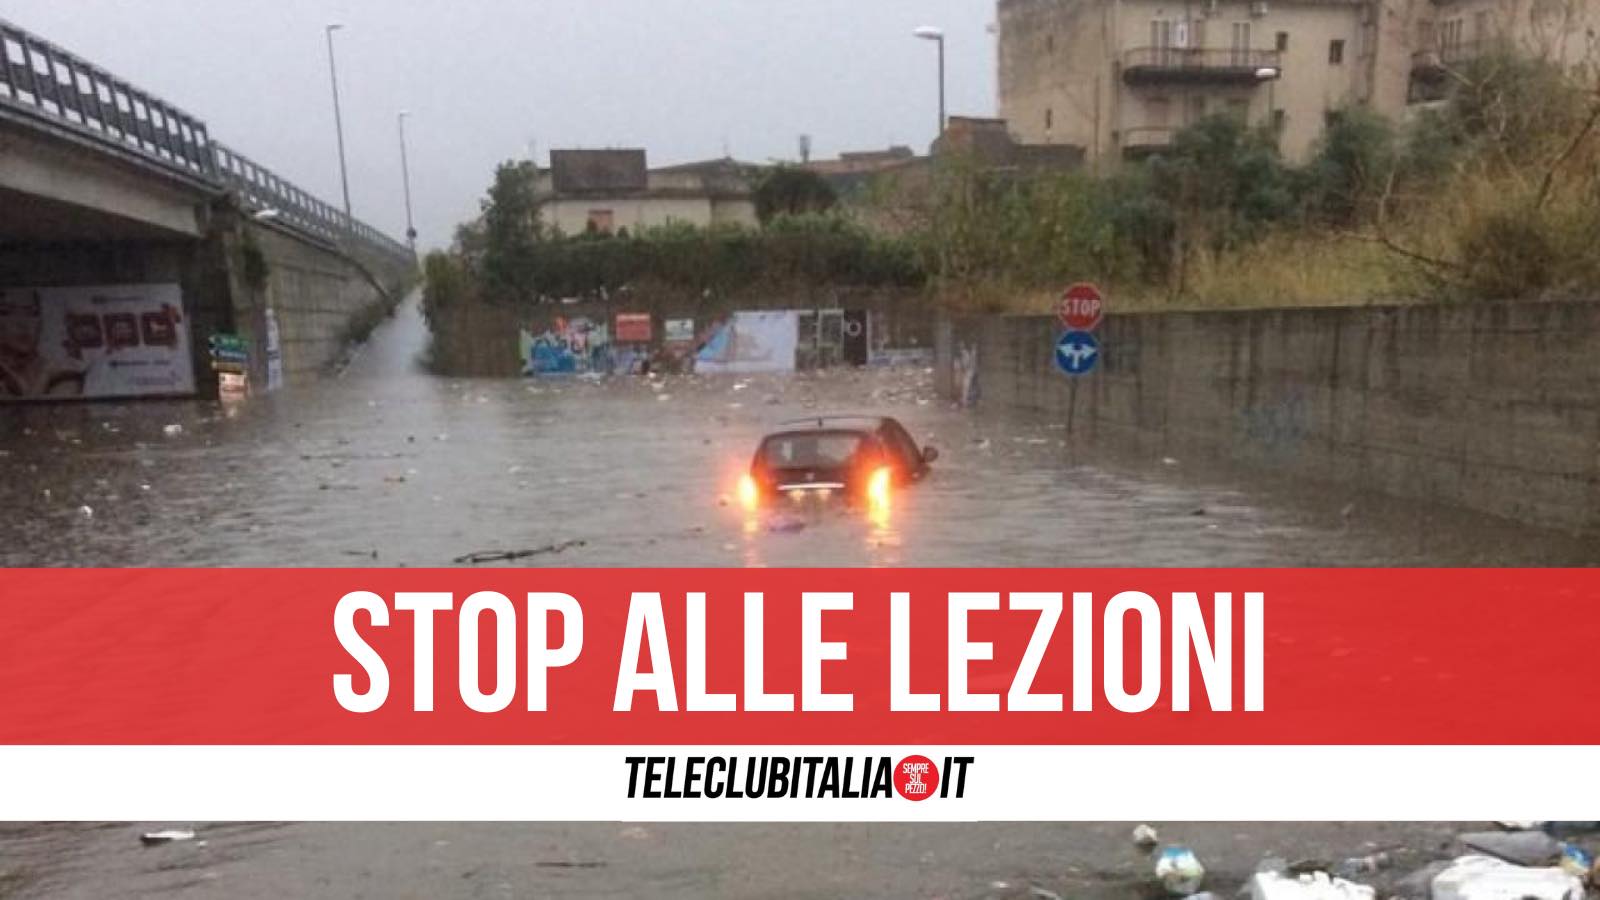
x: 932, y: 33
x: 405, y: 173
x: 338, y: 122
x: 1270, y: 75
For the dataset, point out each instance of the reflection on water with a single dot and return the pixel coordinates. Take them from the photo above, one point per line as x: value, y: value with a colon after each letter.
x: 389, y: 466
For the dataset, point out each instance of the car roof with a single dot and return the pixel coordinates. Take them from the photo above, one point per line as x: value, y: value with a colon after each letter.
x: 811, y: 432
x: 839, y: 422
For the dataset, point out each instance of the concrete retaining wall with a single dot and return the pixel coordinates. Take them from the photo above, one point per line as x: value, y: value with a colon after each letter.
x: 1494, y: 407
x: 315, y: 292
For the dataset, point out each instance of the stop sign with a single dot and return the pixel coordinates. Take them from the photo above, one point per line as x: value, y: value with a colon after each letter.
x: 1082, y: 307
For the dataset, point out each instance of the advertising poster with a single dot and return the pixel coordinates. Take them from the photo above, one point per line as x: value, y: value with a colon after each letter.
x: 679, y: 332
x: 94, y: 343
x: 751, y: 343
x: 635, y: 328
x: 274, y: 352
x: 892, y: 556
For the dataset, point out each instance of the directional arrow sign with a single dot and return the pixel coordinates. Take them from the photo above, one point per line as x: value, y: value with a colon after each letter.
x: 1077, y: 353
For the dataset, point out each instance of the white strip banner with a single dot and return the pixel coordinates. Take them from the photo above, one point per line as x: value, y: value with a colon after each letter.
x: 998, y: 784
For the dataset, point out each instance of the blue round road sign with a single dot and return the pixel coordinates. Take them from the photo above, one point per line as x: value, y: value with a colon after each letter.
x: 1077, y: 353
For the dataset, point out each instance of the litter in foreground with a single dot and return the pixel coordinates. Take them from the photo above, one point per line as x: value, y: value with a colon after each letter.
x: 1485, y: 878
x: 1180, y: 871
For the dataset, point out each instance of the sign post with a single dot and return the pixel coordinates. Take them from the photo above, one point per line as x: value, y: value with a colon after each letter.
x: 1077, y: 353
x: 1081, y: 310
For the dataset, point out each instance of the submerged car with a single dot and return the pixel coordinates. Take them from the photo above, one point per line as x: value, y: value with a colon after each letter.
x: 854, y: 458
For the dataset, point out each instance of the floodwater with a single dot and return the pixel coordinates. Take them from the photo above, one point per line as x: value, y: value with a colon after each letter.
x: 390, y: 466
x: 265, y: 861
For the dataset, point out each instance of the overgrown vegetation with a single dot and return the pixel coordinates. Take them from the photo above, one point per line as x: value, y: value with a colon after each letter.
x: 792, y: 191
x: 506, y: 257
x: 1492, y: 194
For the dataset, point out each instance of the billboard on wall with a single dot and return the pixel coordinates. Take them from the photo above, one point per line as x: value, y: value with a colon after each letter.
x: 752, y: 342
x: 94, y: 342
x: 679, y: 331
x: 634, y: 328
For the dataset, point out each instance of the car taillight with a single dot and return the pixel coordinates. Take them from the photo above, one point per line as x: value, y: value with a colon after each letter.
x: 749, y: 492
x: 878, y: 486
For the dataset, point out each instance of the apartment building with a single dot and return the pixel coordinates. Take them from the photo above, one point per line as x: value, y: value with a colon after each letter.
x: 1451, y: 33
x: 1120, y: 77
x: 609, y: 191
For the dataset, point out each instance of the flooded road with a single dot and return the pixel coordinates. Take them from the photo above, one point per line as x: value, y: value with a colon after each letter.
x: 390, y: 466
x: 953, y: 862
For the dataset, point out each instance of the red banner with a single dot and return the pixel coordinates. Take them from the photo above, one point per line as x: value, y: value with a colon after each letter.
x: 637, y: 657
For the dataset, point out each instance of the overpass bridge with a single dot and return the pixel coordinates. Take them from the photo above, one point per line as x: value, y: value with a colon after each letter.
x: 115, y: 203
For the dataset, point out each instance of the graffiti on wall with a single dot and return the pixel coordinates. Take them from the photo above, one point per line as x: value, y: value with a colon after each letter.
x: 1281, y: 425
x: 966, y: 376
x: 576, y: 346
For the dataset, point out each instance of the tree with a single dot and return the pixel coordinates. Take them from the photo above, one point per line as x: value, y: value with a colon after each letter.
x: 791, y: 191
x: 511, y: 226
x: 1351, y: 166
x: 1225, y: 185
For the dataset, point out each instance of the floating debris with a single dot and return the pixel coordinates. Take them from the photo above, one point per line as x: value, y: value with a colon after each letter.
x: 490, y: 556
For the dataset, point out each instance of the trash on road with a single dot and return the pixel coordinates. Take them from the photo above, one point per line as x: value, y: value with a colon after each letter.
x: 1486, y: 878
x: 1525, y: 848
x: 86, y: 511
x: 1575, y: 861
x: 786, y: 525
x: 1315, y: 886
x: 489, y: 556
x: 1361, y: 865
x: 172, y: 430
x: 1180, y: 871
x: 169, y: 836
x: 1145, y: 837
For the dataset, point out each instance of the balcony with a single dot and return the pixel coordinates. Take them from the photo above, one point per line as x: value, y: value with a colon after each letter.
x: 1143, y: 141
x: 1431, y: 68
x: 1177, y: 65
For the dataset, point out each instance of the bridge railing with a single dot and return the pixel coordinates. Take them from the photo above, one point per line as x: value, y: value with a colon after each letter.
x: 261, y: 192
x: 59, y: 88
x: 52, y: 88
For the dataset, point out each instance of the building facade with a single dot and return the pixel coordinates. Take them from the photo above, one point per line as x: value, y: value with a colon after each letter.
x: 611, y: 191
x: 1121, y: 77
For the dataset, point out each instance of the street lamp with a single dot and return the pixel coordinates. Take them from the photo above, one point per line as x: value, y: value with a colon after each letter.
x: 338, y: 122
x: 405, y: 173
x: 1270, y: 75
x: 932, y: 33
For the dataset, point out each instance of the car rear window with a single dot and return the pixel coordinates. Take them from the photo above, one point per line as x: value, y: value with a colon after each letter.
x: 812, y: 450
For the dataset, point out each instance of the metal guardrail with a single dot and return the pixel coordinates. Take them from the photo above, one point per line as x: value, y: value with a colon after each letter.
x: 48, y: 82
x: 261, y: 192
x: 54, y: 88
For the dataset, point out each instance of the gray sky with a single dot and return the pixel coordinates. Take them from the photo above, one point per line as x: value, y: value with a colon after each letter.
x: 484, y: 78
